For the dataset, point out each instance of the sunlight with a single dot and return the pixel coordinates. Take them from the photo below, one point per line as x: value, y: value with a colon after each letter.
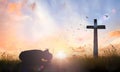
x: 61, y: 55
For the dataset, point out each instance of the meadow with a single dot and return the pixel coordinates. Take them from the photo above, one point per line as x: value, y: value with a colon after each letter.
x: 110, y: 62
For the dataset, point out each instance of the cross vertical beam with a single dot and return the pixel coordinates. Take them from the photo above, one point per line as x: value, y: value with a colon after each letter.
x: 95, y: 52
x: 95, y: 42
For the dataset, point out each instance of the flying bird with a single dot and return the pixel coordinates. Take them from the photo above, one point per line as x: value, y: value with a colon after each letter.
x: 106, y: 16
x: 87, y: 17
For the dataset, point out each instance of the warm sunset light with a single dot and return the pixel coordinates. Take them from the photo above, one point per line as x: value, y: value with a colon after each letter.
x: 59, y: 35
x: 40, y: 24
x: 61, y: 55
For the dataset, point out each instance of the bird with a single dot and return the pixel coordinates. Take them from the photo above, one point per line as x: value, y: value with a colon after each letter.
x: 106, y: 16
x: 87, y: 17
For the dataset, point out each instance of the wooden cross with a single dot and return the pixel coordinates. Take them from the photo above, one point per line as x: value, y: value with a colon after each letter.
x: 95, y: 27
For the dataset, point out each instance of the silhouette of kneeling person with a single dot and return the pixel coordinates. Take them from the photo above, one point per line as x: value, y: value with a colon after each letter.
x: 34, y: 60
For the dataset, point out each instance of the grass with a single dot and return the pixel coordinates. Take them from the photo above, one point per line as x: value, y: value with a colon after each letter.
x: 6, y: 65
x: 110, y: 62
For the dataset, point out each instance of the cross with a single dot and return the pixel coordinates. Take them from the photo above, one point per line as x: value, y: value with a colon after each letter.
x: 95, y: 27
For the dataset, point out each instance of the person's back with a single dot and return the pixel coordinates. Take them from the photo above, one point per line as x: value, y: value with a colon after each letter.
x: 34, y: 60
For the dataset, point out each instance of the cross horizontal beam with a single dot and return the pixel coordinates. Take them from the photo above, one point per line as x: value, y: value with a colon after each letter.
x: 101, y: 27
x: 98, y: 27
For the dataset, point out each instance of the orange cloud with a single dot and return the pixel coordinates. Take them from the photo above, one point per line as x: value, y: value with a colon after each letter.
x: 115, y: 33
x: 14, y: 8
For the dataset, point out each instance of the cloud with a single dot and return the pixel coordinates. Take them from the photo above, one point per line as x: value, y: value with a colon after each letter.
x: 14, y: 8
x: 11, y: 18
x: 115, y: 33
x: 112, y: 37
x: 23, y: 23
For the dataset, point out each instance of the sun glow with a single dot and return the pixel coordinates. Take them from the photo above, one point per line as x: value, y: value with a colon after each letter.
x: 61, y: 55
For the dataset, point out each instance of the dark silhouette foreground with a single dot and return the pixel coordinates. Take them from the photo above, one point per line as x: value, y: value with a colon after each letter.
x: 34, y: 60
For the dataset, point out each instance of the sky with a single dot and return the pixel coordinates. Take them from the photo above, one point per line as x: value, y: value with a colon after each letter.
x: 57, y: 24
